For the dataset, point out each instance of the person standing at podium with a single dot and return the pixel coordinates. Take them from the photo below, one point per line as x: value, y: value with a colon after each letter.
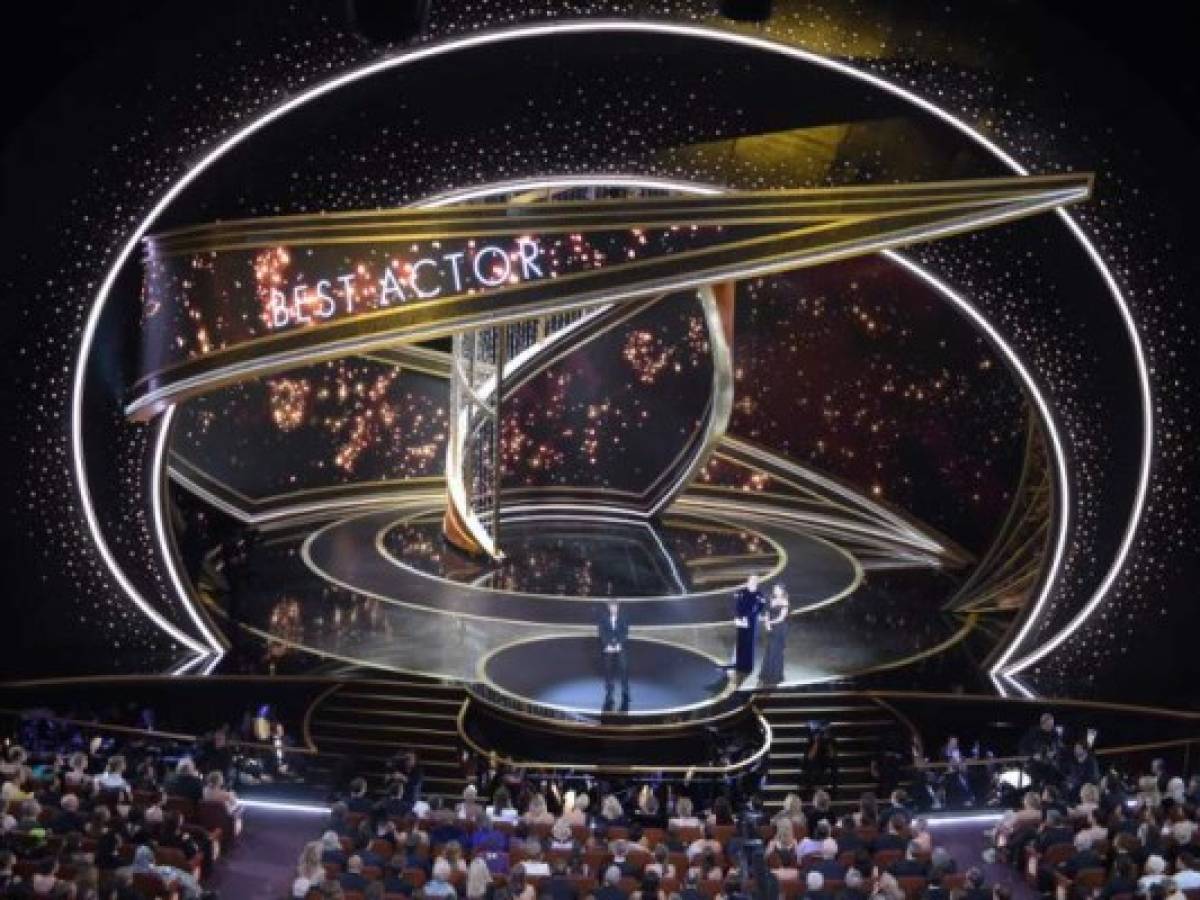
x: 614, y: 654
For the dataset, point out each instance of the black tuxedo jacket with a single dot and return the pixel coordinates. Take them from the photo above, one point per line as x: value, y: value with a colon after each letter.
x: 610, y: 633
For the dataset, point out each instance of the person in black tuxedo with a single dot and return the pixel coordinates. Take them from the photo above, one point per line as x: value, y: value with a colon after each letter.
x: 614, y: 655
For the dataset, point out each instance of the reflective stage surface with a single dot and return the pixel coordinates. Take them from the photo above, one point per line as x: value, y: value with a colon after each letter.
x: 602, y: 557
x: 379, y: 590
x: 567, y: 674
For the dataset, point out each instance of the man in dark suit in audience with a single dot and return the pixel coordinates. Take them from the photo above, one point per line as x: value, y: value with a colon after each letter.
x: 828, y: 866
x: 854, y: 888
x: 186, y: 782
x: 353, y: 879
x: 1084, y: 857
x: 848, y: 840
x: 68, y: 818
x: 445, y: 829
x: 558, y: 886
x: 912, y: 866
x: 610, y: 890
x: 935, y: 890
x: 890, y: 838
x: 1055, y: 831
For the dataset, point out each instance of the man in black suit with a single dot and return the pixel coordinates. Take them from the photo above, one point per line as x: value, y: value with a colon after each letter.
x: 614, y: 640
x: 558, y: 886
x: 610, y: 890
x: 1055, y: 831
x: 912, y: 866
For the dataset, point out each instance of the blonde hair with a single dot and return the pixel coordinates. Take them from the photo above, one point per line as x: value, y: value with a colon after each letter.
x: 684, y: 807
x: 1089, y: 793
x: 309, y: 863
x: 479, y: 876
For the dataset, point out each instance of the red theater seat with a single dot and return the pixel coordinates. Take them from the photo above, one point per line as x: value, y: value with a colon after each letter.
x: 149, y: 885
x: 215, y: 817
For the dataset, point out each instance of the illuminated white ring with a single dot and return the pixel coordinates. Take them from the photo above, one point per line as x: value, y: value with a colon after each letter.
x: 158, y: 481
x: 453, y: 45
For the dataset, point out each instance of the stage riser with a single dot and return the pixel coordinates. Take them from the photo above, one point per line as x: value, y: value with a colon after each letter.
x: 373, y: 721
x: 861, y: 728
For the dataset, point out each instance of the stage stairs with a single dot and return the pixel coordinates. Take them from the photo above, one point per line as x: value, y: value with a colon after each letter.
x: 862, y: 728
x: 358, y: 725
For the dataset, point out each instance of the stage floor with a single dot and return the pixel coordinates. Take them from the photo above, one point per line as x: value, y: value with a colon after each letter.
x: 565, y: 674
x: 345, y: 592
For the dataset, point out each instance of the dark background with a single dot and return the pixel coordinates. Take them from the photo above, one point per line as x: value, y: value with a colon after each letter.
x: 72, y: 69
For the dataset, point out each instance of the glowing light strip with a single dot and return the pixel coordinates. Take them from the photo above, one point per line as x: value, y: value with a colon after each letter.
x: 583, y: 27
x: 358, y: 344
x: 969, y: 818
x: 157, y: 505
x: 281, y: 806
x: 451, y: 198
x: 182, y: 668
x: 1058, y: 454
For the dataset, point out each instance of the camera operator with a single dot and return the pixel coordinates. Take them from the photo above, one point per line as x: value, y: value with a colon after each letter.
x: 1043, y: 745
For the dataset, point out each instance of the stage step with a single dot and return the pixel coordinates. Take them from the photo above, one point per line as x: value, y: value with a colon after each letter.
x: 372, y: 721
x: 859, y: 726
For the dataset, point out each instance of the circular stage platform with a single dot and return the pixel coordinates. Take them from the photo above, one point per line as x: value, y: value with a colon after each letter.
x: 562, y: 677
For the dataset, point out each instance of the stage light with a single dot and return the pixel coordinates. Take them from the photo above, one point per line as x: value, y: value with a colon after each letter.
x: 745, y: 10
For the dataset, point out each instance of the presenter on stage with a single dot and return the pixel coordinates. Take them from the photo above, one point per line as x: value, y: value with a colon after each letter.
x: 748, y: 605
x: 614, y: 655
x: 776, y: 621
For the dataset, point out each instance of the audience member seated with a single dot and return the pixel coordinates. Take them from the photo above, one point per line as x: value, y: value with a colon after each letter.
x: 685, y: 816
x: 479, y: 880
x: 502, y: 809
x: 353, y: 879
x: 469, y: 809
x: 611, y: 889
x: 913, y: 865
x: 186, y: 782
x: 184, y: 882
x: 814, y: 887
x: 854, y: 887
x: 537, y: 812
x: 112, y: 779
